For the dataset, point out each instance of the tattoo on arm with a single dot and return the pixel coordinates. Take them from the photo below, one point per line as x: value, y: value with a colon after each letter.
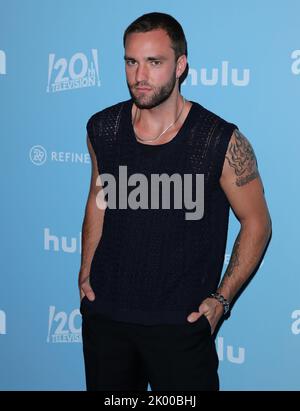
x: 241, y: 158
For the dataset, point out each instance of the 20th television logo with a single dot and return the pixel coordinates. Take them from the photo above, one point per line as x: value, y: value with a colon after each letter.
x: 64, y: 327
x: 79, y: 71
x: 2, y: 62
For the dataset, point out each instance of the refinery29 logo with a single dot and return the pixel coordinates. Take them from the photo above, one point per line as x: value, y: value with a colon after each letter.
x: 79, y: 71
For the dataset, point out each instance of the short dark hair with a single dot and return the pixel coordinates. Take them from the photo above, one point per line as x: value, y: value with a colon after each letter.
x: 155, y: 20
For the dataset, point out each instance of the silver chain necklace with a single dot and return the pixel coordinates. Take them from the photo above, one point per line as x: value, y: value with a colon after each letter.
x: 156, y: 138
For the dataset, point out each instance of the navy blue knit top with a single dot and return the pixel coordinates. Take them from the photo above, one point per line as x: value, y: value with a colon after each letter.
x: 153, y: 265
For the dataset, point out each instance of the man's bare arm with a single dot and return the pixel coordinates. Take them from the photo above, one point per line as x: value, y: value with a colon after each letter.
x: 242, y: 185
x: 91, y: 228
x: 245, y: 193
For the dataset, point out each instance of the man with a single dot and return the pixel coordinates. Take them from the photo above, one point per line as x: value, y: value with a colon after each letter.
x: 150, y: 268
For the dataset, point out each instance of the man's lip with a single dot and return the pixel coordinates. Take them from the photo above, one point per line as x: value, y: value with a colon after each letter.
x: 143, y: 88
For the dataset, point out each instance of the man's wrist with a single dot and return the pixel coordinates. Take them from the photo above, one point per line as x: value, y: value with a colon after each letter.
x: 219, y: 297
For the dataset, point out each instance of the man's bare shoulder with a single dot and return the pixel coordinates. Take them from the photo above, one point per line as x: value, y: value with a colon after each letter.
x: 240, y: 160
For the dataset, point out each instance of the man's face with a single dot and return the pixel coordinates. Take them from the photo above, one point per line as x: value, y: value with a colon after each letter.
x: 150, y: 67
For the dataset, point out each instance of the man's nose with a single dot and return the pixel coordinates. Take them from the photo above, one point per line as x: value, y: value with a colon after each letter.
x: 141, y: 73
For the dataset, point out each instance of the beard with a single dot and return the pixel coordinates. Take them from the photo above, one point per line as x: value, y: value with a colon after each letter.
x: 160, y: 94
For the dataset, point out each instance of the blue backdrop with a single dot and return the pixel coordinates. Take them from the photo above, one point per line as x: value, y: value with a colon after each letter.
x: 60, y: 62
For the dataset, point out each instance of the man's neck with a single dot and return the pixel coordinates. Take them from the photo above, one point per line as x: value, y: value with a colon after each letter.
x: 156, y: 119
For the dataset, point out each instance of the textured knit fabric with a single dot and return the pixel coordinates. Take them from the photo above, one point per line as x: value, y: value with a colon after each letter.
x: 153, y: 266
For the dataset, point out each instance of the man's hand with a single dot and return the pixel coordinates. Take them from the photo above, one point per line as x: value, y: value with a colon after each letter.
x: 85, y: 288
x: 213, y: 311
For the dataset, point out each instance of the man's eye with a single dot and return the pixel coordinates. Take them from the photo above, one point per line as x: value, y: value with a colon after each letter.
x: 130, y: 62
x: 155, y: 62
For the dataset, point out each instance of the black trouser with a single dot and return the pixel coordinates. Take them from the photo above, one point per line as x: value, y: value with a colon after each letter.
x: 126, y: 356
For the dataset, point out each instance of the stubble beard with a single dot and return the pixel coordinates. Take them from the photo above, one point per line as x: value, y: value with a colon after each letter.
x: 160, y: 94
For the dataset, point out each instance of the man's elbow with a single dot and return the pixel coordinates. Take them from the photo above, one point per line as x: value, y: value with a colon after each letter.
x: 260, y: 226
x: 269, y: 226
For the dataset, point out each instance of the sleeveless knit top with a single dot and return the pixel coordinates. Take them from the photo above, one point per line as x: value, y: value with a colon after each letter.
x: 154, y: 265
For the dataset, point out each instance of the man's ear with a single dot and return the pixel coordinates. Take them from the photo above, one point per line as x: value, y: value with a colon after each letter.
x: 181, y: 65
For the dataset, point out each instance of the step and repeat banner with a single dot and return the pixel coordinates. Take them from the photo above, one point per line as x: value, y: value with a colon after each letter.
x: 60, y: 62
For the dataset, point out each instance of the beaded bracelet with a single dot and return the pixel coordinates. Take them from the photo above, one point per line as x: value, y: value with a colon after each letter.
x: 222, y: 300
